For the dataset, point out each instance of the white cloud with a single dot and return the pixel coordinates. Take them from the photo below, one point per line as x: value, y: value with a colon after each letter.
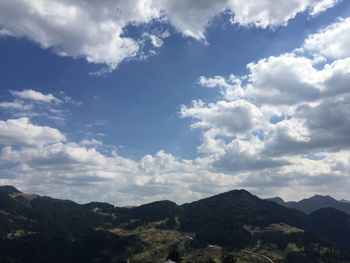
x: 91, y: 142
x: 230, y: 88
x: 264, y: 13
x: 245, y: 155
x: 192, y: 17
x: 95, y: 30
x: 29, y: 94
x: 42, y: 161
x: 87, y: 174
x: 15, y: 105
x: 285, y: 136
x: 32, y: 104
x: 270, y: 79
x: 321, y: 6
x: 274, y: 87
x: 69, y: 161
x: 83, y: 173
x: 285, y: 79
x: 75, y: 28
x: 68, y: 99
x: 332, y: 41
x: 310, y: 101
x: 226, y: 118
x: 300, y: 139
x: 23, y: 132
x: 155, y: 40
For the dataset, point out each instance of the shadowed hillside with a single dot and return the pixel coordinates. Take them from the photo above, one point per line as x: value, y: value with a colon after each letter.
x: 219, y: 228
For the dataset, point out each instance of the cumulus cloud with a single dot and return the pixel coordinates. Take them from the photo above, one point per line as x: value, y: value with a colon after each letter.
x: 70, y: 161
x: 74, y: 28
x: 95, y: 29
x: 300, y: 138
x: 321, y: 6
x: 288, y: 136
x: 332, y: 41
x: 87, y: 174
x: 226, y: 118
x: 245, y: 155
x: 285, y: 79
x: 331, y: 114
x: 192, y: 17
x: 308, y: 102
x: 288, y: 79
x: 328, y: 123
x: 23, y: 132
x: 81, y: 172
x: 264, y: 13
x: 43, y: 160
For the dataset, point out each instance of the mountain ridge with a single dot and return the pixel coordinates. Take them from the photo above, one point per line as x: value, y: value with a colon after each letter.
x: 61, y: 230
x: 316, y: 202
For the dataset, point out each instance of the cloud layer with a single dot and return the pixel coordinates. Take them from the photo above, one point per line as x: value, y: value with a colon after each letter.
x: 23, y: 132
x: 282, y: 127
x: 95, y: 30
x: 295, y: 117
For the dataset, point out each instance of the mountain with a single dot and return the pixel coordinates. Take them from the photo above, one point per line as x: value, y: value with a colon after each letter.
x: 333, y: 224
x: 235, y: 226
x: 314, y: 203
x: 219, y: 218
x: 8, y: 189
x: 277, y: 200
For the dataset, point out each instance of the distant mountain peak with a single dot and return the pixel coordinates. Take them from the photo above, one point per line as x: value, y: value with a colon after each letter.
x: 324, y: 199
x: 311, y: 204
x: 321, y: 197
x: 277, y: 200
x: 8, y: 189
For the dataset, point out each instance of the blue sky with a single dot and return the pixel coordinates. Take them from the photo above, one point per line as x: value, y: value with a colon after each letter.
x: 138, y: 119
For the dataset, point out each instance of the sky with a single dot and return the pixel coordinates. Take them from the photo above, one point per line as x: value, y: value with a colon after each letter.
x: 130, y: 102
